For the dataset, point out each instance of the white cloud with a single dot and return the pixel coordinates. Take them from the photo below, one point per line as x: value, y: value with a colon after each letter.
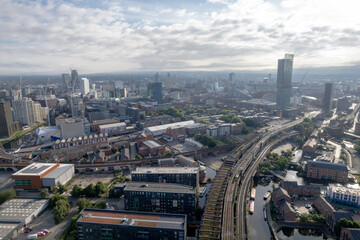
x: 241, y: 35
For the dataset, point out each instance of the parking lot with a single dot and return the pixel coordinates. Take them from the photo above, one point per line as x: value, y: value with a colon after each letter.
x: 300, y: 205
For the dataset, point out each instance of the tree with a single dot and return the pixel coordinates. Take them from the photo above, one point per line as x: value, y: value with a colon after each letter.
x: 245, y: 130
x: 61, y: 210
x: 142, y: 116
x: 44, y: 193
x: 61, y: 188
x: 89, y: 191
x: 100, y: 188
x: 84, y: 203
x: 76, y: 191
x: 100, y: 204
x: 7, y: 195
x: 54, y: 199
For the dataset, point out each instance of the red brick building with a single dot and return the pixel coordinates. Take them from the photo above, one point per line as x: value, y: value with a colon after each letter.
x: 151, y: 148
x: 327, y: 171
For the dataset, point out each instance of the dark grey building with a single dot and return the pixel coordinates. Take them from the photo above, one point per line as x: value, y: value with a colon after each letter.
x: 7, y: 125
x: 180, y: 175
x: 284, y: 81
x: 155, y: 92
x: 160, y: 197
x: 133, y: 113
x: 66, y: 81
x: 75, y: 79
x: 328, y: 96
x: 95, y: 224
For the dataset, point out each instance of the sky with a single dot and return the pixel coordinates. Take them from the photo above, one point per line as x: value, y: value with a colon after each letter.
x: 43, y: 37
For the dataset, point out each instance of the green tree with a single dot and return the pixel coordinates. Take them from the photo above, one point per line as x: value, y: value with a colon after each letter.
x: 89, y: 191
x: 142, y: 116
x: 44, y: 193
x: 245, y: 130
x: 205, y: 122
x: 61, y: 210
x: 61, y: 188
x: 100, y: 204
x: 100, y: 188
x: 54, y: 199
x: 84, y: 203
x: 7, y: 195
x: 76, y: 191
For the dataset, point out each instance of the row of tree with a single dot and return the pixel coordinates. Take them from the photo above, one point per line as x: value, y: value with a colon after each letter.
x: 61, y: 207
x: 275, y: 162
x: 89, y: 191
x: 205, y: 140
x: 7, y: 195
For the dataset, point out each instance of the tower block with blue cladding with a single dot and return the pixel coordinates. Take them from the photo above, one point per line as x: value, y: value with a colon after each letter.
x: 284, y: 81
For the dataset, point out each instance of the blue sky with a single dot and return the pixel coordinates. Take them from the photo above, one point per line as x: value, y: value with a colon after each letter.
x: 52, y: 36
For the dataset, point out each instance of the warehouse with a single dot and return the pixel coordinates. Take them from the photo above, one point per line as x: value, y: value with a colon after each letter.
x: 161, y: 129
x: 31, y: 177
x: 22, y: 210
x: 9, y: 230
x: 61, y: 174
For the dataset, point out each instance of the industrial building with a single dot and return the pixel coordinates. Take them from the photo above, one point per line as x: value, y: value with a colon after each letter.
x: 95, y: 224
x: 9, y: 230
x: 22, y: 210
x: 180, y: 175
x: 40, y: 175
x: 112, y: 128
x: 160, y: 197
x: 161, y: 129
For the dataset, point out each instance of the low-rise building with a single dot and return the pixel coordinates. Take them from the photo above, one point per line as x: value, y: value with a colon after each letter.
x: 151, y: 148
x: 95, y: 224
x: 279, y: 194
x: 22, y: 210
x: 286, y: 211
x: 180, y: 175
x: 161, y: 129
x: 39, y: 175
x: 160, y: 197
x: 185, y: 161
x: 343, y: 195
x: 327, y: 171
x: 350, y: 234
x: 310, y: 146
x: 112, y: 128
x: 196, y: 128
x: 294, y: 189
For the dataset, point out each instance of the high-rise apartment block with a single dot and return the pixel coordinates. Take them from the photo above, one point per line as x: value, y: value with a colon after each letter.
x: 66, y: 81
x: 74, y: 79
x: 7, y: 125
x: 24, y: 111
x: 328, y: 96
x: 84, y: 86
x: 284, y: 81
x: 155, y: 91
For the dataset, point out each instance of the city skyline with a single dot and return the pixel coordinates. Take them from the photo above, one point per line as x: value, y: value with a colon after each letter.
x: 213, y: 35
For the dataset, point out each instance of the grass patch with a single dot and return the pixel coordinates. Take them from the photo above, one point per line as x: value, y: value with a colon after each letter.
x: 21, y: 133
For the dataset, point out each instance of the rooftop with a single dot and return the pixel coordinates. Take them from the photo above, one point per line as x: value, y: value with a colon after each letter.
x: 35, y: 169
x: 165, y: 170
x: 7, y: 228
x: 59, y: 170
x: 111, y: 125
x: 152, y: 144
x: 170, y: 125
x: 327, y: 165
x: 158, y: 187
x: 139, y: 219
x: 19, y: 209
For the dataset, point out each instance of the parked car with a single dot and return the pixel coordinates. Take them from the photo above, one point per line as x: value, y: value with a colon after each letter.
x: 39, y: 234
x: 46, y: 231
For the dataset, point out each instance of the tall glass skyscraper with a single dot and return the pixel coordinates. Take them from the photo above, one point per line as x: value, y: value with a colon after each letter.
x: 328, y: 96
x: 284, y: 81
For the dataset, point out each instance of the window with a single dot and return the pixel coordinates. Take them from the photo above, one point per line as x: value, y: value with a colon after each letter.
x: 175, y: 203
x: 155, y: 202
x: 22, y: 182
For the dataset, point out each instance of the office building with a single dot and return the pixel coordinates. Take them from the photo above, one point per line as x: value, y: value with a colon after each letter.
x: 155, y: 92
x: 180, y: 175
x: 39, y: 175
x: 336, y: 172
x: 74, y: 79
x: 160, y: 197
x: 343, y: 195
x: 284, y: 81
x: 65, y: 81
x: 95, y: 224
x: 328, y: 96
x: 7, y: 126
x: 112, y: 129
x: 24, y: 111
x: 84, y: 86
x: 37, y: 112
x: 70, y: 127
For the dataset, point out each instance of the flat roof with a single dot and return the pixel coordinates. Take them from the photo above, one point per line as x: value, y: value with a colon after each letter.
x: 20, y: 208
x: 166, y: 126
x: 165, y: 170
x: 110, y: 125
x: 7, y: 228
x: 59, y: 170
x: 152, y: 144
x: 158, y: 187
x: 136, y: 219
x: 35, y: 169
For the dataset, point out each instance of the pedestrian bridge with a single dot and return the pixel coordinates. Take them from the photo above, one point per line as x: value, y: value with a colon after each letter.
x: 279, y: 174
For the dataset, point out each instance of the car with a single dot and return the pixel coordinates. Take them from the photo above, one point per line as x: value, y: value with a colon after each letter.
x: 40, y: 234
x: 46, y: 231
x: 307, y: 205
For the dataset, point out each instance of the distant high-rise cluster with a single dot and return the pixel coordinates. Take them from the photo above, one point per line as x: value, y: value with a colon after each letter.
x: 284, y: 81
x: 329, y: 93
